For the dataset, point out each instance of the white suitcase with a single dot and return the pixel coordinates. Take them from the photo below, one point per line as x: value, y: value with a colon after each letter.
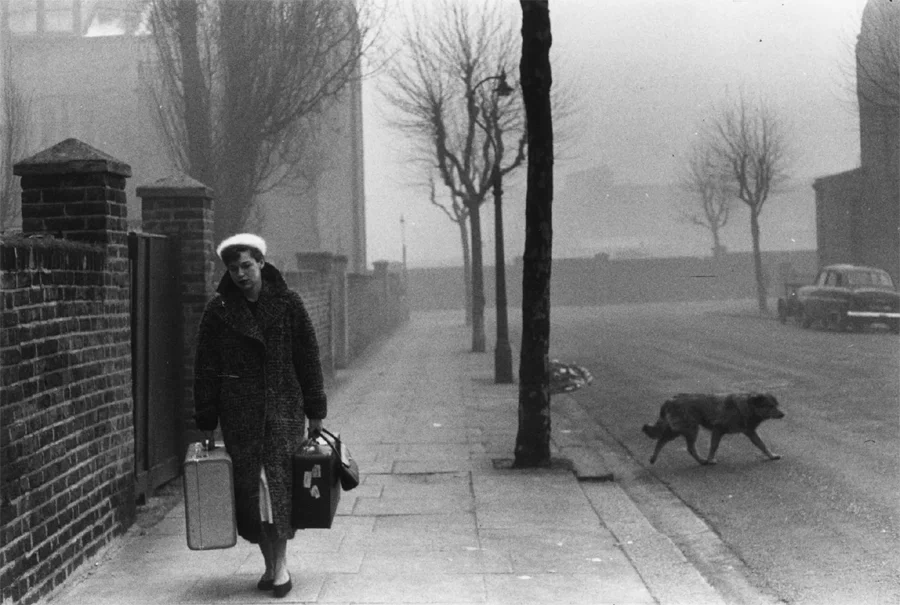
x: 209, y: 498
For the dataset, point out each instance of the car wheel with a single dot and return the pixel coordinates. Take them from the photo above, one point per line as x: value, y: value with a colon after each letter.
x: 782, y: 311
x: 804, y: 318
x: 836, y: 321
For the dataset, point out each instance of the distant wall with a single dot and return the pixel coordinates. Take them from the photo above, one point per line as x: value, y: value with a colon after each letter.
x: 595, y: 281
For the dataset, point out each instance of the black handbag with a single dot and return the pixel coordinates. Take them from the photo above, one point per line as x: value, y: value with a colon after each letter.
x: 316, y: 485
x: 348, y: 471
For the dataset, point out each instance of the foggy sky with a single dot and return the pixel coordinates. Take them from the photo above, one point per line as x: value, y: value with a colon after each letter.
x: 648, y: 71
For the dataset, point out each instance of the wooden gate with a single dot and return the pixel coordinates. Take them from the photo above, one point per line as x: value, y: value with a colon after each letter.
x: 156, y: 361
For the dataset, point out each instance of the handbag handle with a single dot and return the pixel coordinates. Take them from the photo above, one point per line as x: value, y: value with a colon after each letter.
x: 322, y: 432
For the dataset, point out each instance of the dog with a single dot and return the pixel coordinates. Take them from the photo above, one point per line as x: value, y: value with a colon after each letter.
x: 685, y: 413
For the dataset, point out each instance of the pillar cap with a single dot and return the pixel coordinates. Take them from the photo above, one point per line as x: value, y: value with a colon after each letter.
x: 177, y: 185
x: 71, y: 156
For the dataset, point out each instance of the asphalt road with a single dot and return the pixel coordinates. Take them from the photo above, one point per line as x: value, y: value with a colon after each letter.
x: 821, y: 524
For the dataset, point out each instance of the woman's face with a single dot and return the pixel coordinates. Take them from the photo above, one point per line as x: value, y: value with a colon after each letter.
x: 246, y: 272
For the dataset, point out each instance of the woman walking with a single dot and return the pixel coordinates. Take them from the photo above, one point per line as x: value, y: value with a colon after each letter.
x: 257, y: 374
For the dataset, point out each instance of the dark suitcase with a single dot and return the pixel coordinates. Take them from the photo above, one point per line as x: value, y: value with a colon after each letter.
x: 209, y: 498
x: 317, y: 487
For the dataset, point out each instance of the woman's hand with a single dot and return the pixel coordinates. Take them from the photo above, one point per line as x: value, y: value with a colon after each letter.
x: 315, y: 424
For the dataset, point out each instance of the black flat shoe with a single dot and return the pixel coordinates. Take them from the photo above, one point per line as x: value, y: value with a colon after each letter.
x: 264, y: 584
x: 282, y: 589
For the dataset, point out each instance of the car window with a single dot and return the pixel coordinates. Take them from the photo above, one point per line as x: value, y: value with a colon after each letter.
x: 820, y: 280
x: 831, y: 279
x: 869, y: 278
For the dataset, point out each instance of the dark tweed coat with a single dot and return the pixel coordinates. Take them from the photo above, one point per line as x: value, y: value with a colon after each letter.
x: 260, y: 377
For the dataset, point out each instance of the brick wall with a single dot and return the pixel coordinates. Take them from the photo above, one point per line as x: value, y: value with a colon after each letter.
x: 314, y: 288
x: 376, y: 306
x: 67, y: 439
x: 362, y: 300
x: 67, y: 445
x: 180, y: 207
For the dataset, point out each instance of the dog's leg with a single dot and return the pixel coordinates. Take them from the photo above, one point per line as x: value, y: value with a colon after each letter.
x: 663, y: 439
x: 762, y: 446
x: 714, y: 440
x: 691, y: 438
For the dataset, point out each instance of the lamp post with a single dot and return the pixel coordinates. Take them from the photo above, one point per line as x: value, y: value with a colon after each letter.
x: 405, y: 279
x: 403, y: 242
x: 503, y: 371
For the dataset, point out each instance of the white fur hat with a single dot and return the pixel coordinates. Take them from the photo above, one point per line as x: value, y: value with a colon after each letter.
x: 243, y: 239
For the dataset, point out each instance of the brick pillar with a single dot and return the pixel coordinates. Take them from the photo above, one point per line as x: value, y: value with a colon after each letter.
x: 341, y: 311
x: 74, y: 191
x: 382, y: 293
x: 333, y: 268
x: 322, y: 263
x: 182, y: 209
x: 380, y: 268
x: 382, y: 279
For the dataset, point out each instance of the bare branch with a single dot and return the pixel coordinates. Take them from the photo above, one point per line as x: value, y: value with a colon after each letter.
x: 443, y: 82
x: 878, y: 55
x: 706, y: 179
x: 240, y: 87
x: 15, y: 115
x: 750, y: 141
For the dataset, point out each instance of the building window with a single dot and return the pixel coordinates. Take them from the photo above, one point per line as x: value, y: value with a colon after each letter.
x: 42, y: 16
x: 21, y: 16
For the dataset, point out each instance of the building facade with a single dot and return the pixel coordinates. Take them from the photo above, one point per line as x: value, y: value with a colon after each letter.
x: 858, y: 211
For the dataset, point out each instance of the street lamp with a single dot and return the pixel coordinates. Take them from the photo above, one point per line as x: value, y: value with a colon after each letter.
x: 503, y: 372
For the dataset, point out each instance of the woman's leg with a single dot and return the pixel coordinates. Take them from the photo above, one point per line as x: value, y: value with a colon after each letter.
x: 279, y: 552
x: 268, y: 553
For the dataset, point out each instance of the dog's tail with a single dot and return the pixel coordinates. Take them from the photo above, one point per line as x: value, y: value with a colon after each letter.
x: 654, y: 431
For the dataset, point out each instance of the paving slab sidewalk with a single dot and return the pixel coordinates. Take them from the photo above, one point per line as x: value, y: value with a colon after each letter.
x: 439, y: 517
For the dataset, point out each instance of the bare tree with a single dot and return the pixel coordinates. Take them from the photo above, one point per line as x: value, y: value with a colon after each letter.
x: 878, y: 96
x: 458, y: 213
x: 706, y: 180
x: 437, y: 85
x: 878, y: 55
x: 239, y: 84
x: 749, y: 139
x: 16, y: 109
x: 533, y: 437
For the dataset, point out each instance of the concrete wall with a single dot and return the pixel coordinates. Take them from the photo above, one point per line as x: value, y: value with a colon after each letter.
x: 598, y: 281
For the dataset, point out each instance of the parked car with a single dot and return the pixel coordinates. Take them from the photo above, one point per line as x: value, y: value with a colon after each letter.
x: 846, y: 297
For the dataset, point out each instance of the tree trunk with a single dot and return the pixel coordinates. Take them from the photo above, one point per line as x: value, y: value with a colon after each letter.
x: 478, y: 341
x: 467, y: 270
x: 718, y: 251
x: 761, y: 294
x: 196, y: 96
x: 240, y: 143
x: 533, y: 438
